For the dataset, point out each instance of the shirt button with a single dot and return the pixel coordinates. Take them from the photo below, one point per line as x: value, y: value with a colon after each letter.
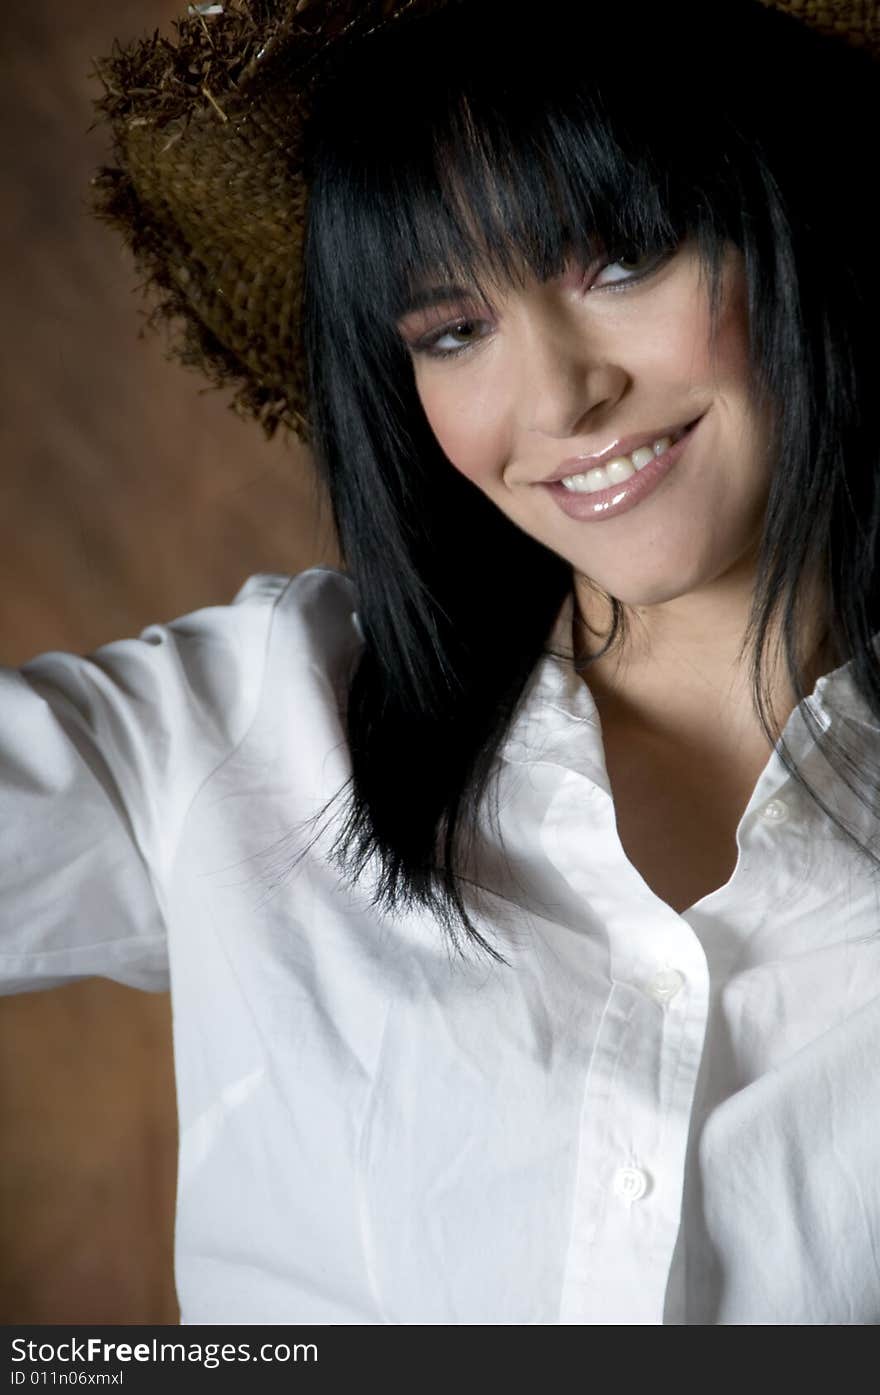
x: 630, y: 1183
x: 665, y: 985
x: 775, y: 811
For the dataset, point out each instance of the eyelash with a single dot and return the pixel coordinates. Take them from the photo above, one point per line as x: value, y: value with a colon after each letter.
x: 425, y: 347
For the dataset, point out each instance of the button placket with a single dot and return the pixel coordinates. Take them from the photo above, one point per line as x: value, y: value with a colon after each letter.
x: 634, y: 1119
x: 636, y: 1109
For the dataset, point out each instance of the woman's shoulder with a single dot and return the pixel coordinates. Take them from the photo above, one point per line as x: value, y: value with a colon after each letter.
x: 312, y: 616
x: 305, y: 619
x: 319, y: 586
x: 312, y: 599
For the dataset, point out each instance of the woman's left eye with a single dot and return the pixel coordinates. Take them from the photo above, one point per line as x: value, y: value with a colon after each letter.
x: 652, y: 259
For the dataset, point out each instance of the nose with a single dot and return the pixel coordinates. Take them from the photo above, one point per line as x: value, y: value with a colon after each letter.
x: 563, y: 379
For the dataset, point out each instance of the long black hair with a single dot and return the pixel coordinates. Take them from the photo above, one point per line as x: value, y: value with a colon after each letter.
x: 558, y: 130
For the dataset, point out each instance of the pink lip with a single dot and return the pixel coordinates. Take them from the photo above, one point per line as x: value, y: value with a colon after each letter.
x: 620, y: 498
x: 625, y: 445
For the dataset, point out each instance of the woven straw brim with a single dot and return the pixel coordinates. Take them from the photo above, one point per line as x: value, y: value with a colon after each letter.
x: 206, y: 185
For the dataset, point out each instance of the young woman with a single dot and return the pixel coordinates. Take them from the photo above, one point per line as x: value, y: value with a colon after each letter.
x: 516, y: 887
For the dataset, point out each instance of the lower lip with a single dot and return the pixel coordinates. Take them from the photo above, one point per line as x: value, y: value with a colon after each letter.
x: 620, y: 498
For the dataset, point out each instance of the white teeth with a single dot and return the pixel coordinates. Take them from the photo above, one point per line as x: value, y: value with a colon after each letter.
x: 643, y: 456
x: 597, y: 479
x: 621, y: 468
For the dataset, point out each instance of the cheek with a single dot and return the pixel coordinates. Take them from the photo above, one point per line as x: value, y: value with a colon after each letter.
x: 469, y: 425
x: 730, y: 364
x: 674, y: 345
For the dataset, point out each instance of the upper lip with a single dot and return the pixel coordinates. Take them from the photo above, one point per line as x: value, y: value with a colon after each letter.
x: 624, y: 445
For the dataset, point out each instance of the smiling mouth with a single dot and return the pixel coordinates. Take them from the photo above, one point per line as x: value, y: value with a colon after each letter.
x: 620, y: 485
x: 617, y: 468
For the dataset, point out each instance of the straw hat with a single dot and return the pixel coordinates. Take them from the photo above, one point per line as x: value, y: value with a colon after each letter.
x: 207, y: 188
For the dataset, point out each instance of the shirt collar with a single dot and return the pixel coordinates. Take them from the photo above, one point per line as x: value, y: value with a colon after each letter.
x: 557, y: 707
x: 835, y: 695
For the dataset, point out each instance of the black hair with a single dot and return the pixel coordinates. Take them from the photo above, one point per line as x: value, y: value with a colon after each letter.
x: 560, y: 130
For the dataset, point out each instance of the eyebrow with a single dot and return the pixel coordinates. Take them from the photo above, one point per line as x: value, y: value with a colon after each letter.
x: 434, y: 295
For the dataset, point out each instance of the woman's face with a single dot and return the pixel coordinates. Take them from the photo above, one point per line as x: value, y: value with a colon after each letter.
x: 569, y: 368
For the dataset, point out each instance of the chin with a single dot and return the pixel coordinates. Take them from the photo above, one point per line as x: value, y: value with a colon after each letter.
x: 643, y: 592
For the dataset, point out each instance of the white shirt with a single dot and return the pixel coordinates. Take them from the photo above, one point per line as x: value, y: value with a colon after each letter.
x: 648, y: 1118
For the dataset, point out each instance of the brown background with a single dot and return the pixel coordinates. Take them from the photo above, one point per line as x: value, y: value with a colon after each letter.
x: 126, y: 496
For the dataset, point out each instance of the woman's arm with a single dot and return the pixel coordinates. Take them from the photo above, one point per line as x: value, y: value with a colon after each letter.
x: 100, y: 757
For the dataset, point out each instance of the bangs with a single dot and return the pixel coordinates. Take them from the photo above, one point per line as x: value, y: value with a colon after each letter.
x: 465, y: 153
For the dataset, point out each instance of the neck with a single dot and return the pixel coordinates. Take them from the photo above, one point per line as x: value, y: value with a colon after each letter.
x: 682, y: 668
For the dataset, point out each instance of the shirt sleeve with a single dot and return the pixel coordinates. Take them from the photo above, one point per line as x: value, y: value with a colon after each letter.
x: 100, y: 759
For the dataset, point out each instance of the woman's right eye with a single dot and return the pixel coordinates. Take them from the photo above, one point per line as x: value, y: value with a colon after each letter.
x: 429, y: 346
